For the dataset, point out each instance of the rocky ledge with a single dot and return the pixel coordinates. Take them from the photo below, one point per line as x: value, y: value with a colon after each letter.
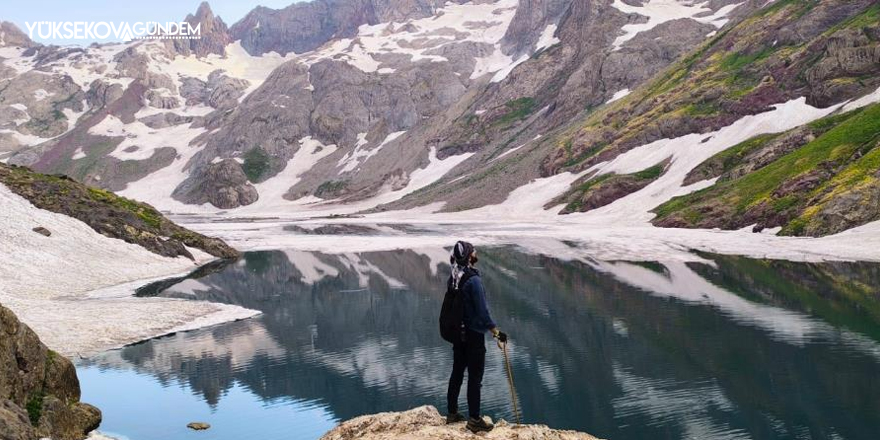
x: 109, y: 214
x: 39, y: 390
x: 425, y: 423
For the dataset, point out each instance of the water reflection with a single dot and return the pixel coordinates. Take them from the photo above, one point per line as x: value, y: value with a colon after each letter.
x: 735, y: 349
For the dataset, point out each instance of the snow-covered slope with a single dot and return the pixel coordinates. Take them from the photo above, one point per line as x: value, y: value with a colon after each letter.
x: 153, y: 119
x: 50, y: 283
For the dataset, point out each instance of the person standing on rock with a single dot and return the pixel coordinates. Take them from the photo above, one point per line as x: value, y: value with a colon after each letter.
x: 464, y: 321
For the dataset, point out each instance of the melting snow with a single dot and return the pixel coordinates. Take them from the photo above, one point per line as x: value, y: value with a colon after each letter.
x: 453, y: 23
x: 46, y: 281
x: 662, y: 11
x: 547, y: 38
x: 619, y: 95
x: 360, y: 155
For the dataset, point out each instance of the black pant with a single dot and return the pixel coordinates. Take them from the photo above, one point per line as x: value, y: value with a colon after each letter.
x: 469, y: 355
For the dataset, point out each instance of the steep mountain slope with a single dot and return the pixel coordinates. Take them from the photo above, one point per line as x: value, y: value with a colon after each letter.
x: 372, y: 100
x: 341, y: 106
x: 829, y: 183
x: 823, y: 51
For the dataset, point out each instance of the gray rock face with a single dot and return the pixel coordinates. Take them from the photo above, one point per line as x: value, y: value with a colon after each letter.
x: 333, y: 102
x: 101, y: 93
x: 531, y: 19
x: 44, y: 382
x: 302, y: 27
x: 14, y: 423
x: 220, y: 91
x: 854, y: 208
x: 34, y: 103
x: 223, y: 185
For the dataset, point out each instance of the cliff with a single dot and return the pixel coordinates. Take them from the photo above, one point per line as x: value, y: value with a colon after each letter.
x: 39, y: 390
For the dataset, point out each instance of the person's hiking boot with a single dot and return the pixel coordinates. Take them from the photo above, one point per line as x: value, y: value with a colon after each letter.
x: 455, y: 417
x: 479, y: 425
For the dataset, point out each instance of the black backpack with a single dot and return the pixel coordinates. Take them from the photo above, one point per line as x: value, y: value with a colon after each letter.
x: 452, y: 312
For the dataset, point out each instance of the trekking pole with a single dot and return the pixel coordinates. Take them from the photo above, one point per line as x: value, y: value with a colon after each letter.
x: 503, y: 347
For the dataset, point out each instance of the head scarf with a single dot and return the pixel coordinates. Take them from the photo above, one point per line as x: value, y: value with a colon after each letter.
x: 460, y: 259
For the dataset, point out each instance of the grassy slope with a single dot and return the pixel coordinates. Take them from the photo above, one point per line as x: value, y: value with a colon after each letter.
x: 847, y: 155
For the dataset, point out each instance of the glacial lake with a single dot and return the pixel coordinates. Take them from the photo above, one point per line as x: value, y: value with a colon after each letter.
x: 730, y: 348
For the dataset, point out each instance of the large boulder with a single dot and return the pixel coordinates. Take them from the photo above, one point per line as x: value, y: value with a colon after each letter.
x: 39, y: 389
x: 224, y: 185
x: 425, y: 423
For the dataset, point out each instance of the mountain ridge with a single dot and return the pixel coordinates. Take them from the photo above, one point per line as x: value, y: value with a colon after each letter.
x: 459, y: 103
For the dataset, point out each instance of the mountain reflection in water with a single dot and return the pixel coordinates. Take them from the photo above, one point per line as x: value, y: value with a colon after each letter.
x: 739, y: 348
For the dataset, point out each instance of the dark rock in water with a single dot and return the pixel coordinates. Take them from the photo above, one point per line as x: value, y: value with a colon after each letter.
x: 109, y: 214
x: 39, y: 389
x: 42, y: 231
x: 198, y: 426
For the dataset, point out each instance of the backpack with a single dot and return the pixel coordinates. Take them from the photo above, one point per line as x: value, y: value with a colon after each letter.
x: 452, y: 311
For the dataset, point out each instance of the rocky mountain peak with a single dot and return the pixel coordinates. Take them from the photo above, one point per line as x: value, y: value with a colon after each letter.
x: 213, y: 32
x: 12, y: 36
x: 204, y: 11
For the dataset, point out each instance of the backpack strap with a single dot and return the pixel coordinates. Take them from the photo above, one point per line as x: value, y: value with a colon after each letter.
x: 469, y: 272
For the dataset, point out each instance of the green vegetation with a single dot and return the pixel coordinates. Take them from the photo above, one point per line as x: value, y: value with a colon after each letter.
x: 843, y: 157
x: 735, y: 62
x: 331, y: 188
x: 256, y: 164
x: 517, y: 110
x: 650, y: 173
x: 35, y: 408
x: 147, y: 214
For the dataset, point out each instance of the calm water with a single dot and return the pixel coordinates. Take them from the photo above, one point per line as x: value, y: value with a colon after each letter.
x: 732, y: 349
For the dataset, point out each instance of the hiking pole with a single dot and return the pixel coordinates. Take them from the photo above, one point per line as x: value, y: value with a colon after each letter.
x: 503, y: 347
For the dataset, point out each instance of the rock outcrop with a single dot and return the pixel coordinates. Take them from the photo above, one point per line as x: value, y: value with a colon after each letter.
x: 39, y: 389
x: 225, y: 186
x: 425, y: 423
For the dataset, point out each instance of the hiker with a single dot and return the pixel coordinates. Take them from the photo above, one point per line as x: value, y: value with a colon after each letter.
x: 464, y: 321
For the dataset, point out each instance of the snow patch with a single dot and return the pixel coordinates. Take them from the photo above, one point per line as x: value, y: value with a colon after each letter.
x: 46, y: 281
x: 451, y: 24
x: 547, y: 38
x: 360, y: 155
x: 501, y: 74
x: 620, y: 94
x: 662, y: 11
